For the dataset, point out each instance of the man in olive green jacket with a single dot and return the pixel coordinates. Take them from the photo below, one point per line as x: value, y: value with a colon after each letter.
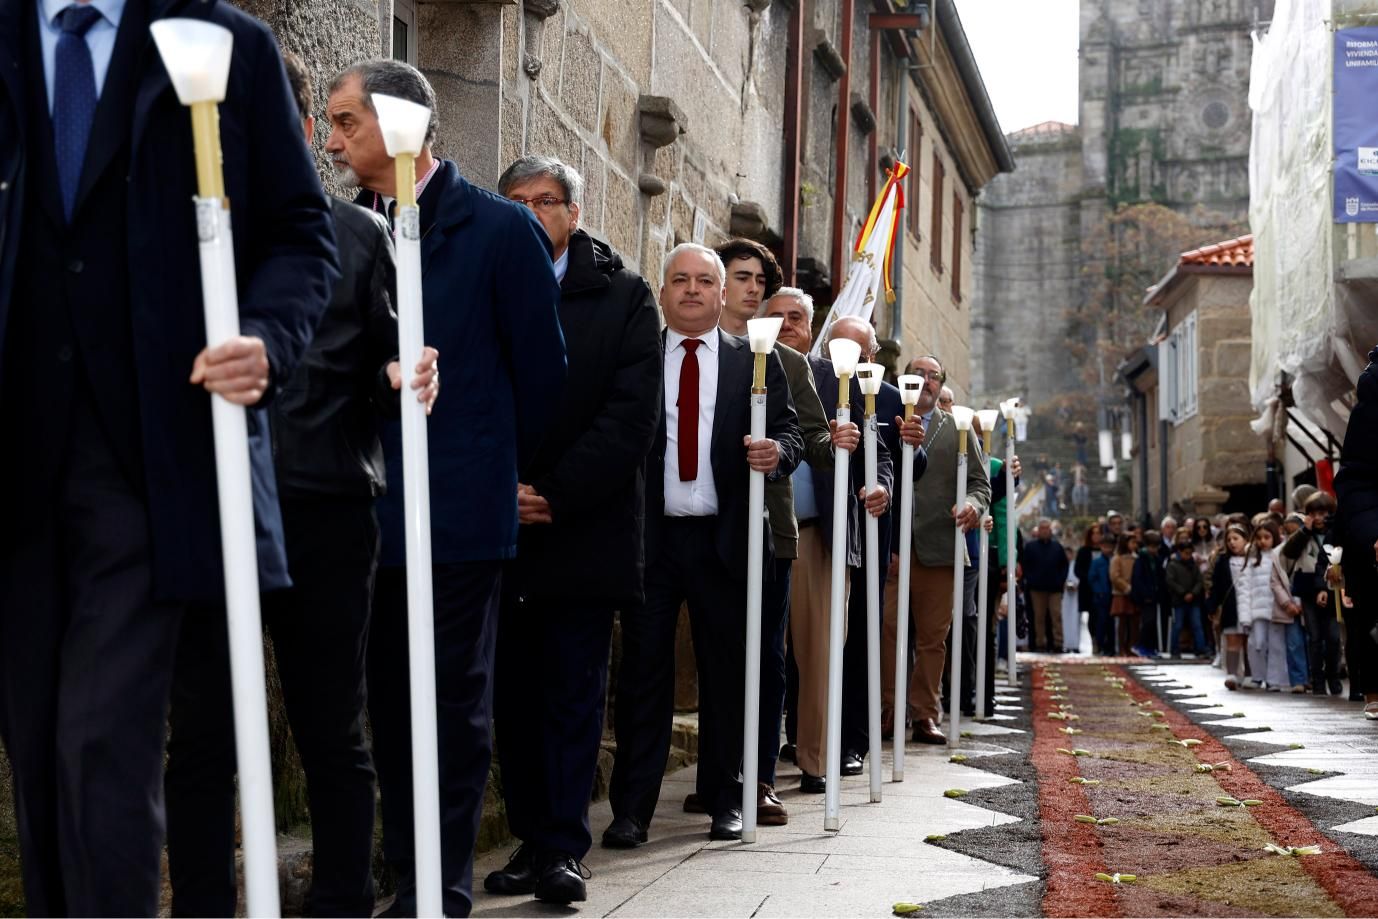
x: 934, y: 546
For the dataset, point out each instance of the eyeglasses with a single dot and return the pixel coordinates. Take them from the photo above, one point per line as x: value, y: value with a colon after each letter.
x: 930, y: 375
x: 541, y: 202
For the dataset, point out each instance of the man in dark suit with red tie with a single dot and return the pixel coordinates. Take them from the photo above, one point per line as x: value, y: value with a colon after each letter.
x: 697, y: 479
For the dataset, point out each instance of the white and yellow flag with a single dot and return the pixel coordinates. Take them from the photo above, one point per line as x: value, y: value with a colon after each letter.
x: 870, y: 266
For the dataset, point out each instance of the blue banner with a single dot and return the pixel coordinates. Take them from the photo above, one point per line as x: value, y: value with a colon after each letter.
x: 1356, y: 125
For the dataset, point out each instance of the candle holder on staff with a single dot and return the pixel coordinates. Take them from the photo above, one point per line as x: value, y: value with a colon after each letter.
x: 869, y: 377
x: 961, y: 418
x: 761, y: 333
x: 1010, y: 409
x: 844, y: 355
x: 196, y: 55
x: 987, y: 418
x: 403, y: 125
x: 911, y: 387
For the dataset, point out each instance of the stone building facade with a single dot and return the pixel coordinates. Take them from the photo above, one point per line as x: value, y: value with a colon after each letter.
x: 1193, y: 441
x: 1164, y: 118
x: 678, y: 114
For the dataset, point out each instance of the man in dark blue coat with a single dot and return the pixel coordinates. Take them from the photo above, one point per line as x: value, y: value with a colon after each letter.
x: 104, y: 374
x: 491, y: 310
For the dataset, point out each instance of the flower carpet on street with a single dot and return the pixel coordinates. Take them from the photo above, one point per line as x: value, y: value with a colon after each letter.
x: 1144, y: 813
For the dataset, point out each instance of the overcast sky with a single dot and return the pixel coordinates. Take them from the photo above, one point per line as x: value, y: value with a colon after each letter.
x: 1027, y: 53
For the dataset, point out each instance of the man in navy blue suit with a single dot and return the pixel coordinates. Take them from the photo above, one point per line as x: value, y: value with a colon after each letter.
x: 491, y: 309
x: 104, y: 382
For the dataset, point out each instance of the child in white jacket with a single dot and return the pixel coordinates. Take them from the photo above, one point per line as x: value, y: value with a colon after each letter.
x: 1265, y: 608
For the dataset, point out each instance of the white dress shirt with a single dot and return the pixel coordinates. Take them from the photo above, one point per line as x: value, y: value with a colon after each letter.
x: 698, y: 498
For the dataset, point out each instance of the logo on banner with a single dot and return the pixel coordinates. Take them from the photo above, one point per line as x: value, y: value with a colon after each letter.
x: 1352, y: 206
x: 1368, y: 161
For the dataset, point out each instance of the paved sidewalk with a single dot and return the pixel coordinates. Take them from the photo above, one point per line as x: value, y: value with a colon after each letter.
x: 878, y: 858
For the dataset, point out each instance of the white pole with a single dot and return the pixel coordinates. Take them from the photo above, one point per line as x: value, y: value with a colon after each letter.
x: 752, y: 721
x: 836, y: 621
x: 247, y: 680
x: 1011, y: 522
x: 761, y: 334
x: 416, y: 497
x: 910, y: 388
x: 872, y: 605
x: 982, y: 598
x: 954, y: 700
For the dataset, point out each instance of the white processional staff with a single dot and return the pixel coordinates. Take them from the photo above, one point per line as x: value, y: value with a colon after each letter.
x: 761, y: 333
x: 911, y: 387
x: 844, y: 354
x: 404, y: 125
x: 196, y: 55
x: 961, y: 417
x: 1010, y: 410
x: 869, y: 377
x: 987, y: 417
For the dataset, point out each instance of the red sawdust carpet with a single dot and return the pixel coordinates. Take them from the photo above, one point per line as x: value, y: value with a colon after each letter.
x: 1108, y: 749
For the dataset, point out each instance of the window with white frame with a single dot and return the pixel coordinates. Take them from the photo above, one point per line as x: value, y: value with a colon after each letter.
x: 1178, y: 378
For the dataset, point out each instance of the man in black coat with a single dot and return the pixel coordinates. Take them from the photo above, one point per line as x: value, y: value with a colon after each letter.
x: 582, y: 503
x: 329, y: 465
x: 104, y: 374
x: 1356, y: 531
x: 697, y: 479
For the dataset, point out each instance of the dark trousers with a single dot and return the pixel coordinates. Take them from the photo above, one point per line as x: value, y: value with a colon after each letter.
x: 466, y: 601
x: 85, y: 671
x: 856, y: 726
x: 551, y: 682
x: 774, y: 628
x: 319, y: 629
x: 971, y: 579
x: 687, y: 568
x: 1102, y: 625
x: 1323, y: 633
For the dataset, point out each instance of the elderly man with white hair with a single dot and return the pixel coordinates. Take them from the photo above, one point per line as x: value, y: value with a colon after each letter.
x: 697, y: 479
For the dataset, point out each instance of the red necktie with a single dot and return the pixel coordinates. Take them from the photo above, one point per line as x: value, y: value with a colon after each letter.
x: 689, y: 412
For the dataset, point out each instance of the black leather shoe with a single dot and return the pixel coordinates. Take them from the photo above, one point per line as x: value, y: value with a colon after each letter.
x: 518, y: 876
x: 788, y: 754
x: 623, y: 833
x: 561, y: 881
x: 727, y: 825
x: 851, y: 763
x: 812, y: 784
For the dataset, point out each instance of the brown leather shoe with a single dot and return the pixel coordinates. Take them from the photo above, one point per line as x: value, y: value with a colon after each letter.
x: 926, y: 731
x: 769, y: 810
x: 692, y: 804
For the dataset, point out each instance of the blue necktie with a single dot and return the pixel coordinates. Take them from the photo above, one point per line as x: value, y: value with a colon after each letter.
x: 74, y: 95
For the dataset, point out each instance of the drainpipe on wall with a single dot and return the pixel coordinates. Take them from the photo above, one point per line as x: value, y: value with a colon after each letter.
x: 1142, y: 399
x: 794, y: 63
x: 844, y: 128
x: 897, y: 260
x: 1162, y: 465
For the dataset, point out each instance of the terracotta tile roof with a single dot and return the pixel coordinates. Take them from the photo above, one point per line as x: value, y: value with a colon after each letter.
x: 1232, y: 253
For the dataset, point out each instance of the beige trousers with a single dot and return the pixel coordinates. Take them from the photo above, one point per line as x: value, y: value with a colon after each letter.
x: 1047, y: 604
x: 930, y: 592
x: 809, y: 608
